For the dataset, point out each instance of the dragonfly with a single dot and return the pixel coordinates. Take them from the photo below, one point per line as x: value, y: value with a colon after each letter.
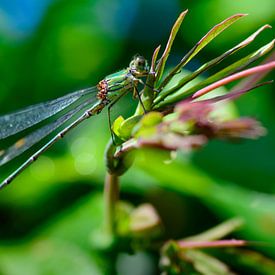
x: 88, y: 102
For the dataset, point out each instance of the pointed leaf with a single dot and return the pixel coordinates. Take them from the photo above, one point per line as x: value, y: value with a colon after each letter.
x: 174, y: 31
x: 214, y: 32
x: 148, y: 93
x: 235, y: 94
x: 242, y: 74
x: 206, y: 264
x: 210, y: 64
x: 218, y: 231
x: 252, y: 261
x: 219, y: 75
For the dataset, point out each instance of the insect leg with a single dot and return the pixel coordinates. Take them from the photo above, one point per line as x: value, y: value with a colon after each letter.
x: 139, y: 98
x: 109, y: 114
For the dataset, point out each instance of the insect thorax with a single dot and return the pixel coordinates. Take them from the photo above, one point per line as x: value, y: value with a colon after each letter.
x: 115, y: 84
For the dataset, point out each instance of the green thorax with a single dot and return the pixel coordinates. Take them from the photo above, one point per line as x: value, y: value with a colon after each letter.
x: 117, y: 78
x: 119, y: 83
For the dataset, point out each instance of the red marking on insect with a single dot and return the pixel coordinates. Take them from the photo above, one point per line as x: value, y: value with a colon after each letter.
x: 102, y: 87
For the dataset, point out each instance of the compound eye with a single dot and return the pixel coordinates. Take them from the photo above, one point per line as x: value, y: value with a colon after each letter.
x: 141, y: 62
x: 139, y: 65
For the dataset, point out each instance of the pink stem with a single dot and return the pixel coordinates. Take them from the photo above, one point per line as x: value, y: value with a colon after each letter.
x: 226, y: 80
x: 250, y: 81
x: 203, y: 244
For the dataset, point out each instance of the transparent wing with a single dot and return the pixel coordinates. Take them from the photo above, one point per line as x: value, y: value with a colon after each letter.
x: 25, y: 143
x: 13, y: 123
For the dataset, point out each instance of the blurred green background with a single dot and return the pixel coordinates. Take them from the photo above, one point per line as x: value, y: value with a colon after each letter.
x: 49, y: 48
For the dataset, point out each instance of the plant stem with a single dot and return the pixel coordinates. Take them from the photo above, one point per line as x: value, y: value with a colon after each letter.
x: 217, y: 232
x: 258, y: 69
x: 205, y: 244
x: 111, y: 196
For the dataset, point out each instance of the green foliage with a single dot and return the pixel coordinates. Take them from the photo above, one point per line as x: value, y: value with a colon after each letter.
x: 52, y: 218
x: 226, y: 71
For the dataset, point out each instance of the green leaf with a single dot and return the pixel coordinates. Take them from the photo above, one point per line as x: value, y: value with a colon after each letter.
x: 214, y: 32
x: 224, y: 198
x: 242, y: 74
x: 116, y: 125
x: 148, y: 93
x: 163, y: 59
x: 238, y: 65
x: 151, y: 119
x: 127, y: 126
x: 154, y: 59
x: 61, y: 246
x: 218, y: 231
x: 146, y: 126
x: 47, y: 256
x: 251, y: 261
x: 206, y: 264
x: 209, y: 65
x: 75, y: 224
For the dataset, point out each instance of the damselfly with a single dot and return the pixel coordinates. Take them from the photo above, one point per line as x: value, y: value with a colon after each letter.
x: 107, y: 92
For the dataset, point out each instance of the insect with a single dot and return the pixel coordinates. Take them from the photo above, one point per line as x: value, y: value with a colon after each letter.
x: 90, y: 101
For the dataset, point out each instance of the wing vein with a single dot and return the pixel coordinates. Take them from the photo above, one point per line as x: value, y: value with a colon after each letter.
x: 16, y: 122
x: 27, y: 142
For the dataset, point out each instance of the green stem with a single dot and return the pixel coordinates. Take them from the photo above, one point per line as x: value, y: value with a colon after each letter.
x: 111, y: 197
x: 116, y: 166
x: 217, y: 232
